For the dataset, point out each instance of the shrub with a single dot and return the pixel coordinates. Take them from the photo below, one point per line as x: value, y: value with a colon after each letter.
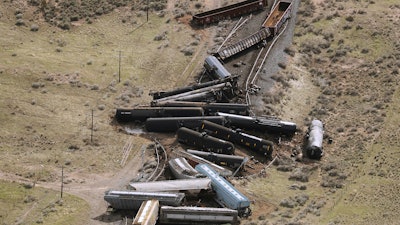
x: 34, y: 27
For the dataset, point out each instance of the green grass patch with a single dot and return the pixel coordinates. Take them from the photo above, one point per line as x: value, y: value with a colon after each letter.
x: 23, y: 205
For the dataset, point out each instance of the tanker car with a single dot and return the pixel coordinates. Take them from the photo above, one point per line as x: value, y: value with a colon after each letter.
x: 204, y: 142
x: 248, y: 141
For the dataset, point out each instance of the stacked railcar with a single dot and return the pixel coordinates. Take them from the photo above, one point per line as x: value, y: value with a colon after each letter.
x: 172, y: 124
x: 315, y: 138
x: 262, y: 124
x: 204, y: 142
x: 229, y: 11
x: 197, y: 215
x: 141, y: 114
x: 249, y: 141
x: 147, y: 214
x: 226, y: 194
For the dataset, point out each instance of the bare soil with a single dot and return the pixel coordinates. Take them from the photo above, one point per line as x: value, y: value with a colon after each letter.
x: 337, y: 62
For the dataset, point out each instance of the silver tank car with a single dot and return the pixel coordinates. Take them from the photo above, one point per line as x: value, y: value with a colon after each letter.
x: 215, y: 68
x: 315, y: 135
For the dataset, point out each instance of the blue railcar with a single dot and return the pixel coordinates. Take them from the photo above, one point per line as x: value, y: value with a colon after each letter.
x: 227, y: 195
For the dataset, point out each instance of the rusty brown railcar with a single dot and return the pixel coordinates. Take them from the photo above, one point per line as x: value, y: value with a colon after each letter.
x: 230, y: 11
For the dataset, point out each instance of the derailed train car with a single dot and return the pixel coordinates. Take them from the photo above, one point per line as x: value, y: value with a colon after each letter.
x: 181, y: 169
x: 204, y: 142
x: 236, y: 137
x: 148, y: 213
x: 262, y: 124
x: 141, y: 114
x: 132, y: 200
x: 215, y: 68
x: 227, y: 195
x: 228, y: 12
x: 211, y: 108
x: 172, y: 124
x: 197, y: 215
x: 278, y: 16
x: 233, y: 161
x: 315, y: 136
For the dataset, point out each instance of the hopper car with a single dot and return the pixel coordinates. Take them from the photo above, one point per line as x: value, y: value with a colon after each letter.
x: 226, y: 195
x: 233, y: 161
x: 147, y: 214
x: 263, y: 124
x: 172, y: 124
x: 244, y: 44
x: 315, y: 136
x: 227, y: 12
x: 141, y: 114
x: 197, y: 215
x: 204, y: 142
x: 236, y: 137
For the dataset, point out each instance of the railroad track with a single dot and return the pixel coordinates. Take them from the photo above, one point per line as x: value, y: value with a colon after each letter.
x: 250, y: 84
x: 162, y: 159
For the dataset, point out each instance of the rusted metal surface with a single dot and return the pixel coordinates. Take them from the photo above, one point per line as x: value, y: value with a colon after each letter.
x: 279, y: 14
x: 229, y: 11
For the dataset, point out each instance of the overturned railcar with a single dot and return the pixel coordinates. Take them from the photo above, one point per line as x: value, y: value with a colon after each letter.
x: 141, y: 114
x: 215, y: 68
x: 132, y: 200
x: 228, y: 12
x: 233, y: 161
x: 165, y: 94
x: 263, y: 124
x: 148, y: 213
x: 172, y: 124
x: 181, y: 169
x: 197, y: 215
x: 315, y: 136
x: 227, y: 195
x: 195, y: 160
x: 204, y: 142
x: 211, y: 108
x: 236, y: 137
